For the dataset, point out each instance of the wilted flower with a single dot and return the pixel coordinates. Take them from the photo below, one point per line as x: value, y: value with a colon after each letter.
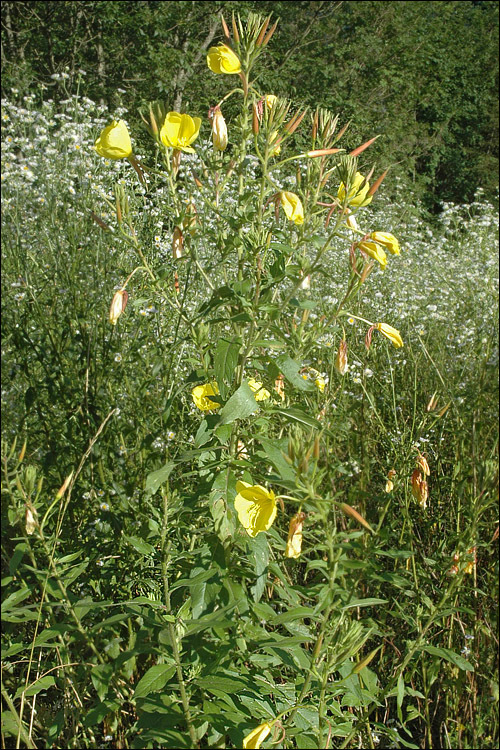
x: 423, y: 465
x: 351, y: 221
x: 358, y: 192
x: 469, y: 568
x: 260, y: 393
x: 279, y: 386
x: 391, y: 333
x: 179, y: 131
x: 273, y: 138
x: 221, y: 59
x: 31, y: 519
x: 387, y: 240
x: 114, y: 141
x: 118, y: 305
x: 306, y: 282
x: 341, y: 358
x: 294, y: 542
x: 177, y: 244
x: 256, y: 508
x: 256, y: 737
x: 374, y: 250
x: 292, y: 206
x: 219, y: 131
x: 389, y: 486
x: 419, y: 488
x: 270, y: 100
x: 201, y: 396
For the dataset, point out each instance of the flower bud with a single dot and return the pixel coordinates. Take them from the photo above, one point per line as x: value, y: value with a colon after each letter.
x: 294, y: 542
x: 219, y: 131
x: 118, y: 305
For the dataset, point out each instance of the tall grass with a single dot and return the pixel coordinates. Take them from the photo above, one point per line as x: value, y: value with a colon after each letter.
x: 137, y: 611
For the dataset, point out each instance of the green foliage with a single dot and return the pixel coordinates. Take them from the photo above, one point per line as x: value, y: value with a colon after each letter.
x: 137, y: 610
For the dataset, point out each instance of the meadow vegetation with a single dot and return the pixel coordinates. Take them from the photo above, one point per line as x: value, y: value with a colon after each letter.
x: 249, y: 433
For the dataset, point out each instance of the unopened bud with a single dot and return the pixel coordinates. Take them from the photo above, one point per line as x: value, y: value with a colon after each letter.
x: 118, y: 305
x: 23, y: 451
x: 219, y: 131
x: 65, y: 486
x: 357, y: 516
x: 432, y: 405
x: 294, y: 542
x: 31, y: 519
x: 255, y: 120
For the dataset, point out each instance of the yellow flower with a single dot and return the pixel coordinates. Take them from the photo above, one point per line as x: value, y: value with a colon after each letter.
x: 387, y: 240
x: 256, y: 508
x: 293, y: 207
x: 261, y: 394
x: 179, y: 131
x: 219, y: 131
x: 374, y: 250
x: 221, y: 59
x: 294, y: 542
x: 114, y: 141
x: 277, y: 148
x: 320, y: 383
x: 391, y: 333
x: 256, y: 737
x: 118, y: 305
x: 357, y: 192
x: 270, y: 100
x: 201, y: 396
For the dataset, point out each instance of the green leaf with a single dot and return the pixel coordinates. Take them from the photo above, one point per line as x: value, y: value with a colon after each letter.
x: 290, y: 370
x: 44, y: 683
x: 14, y: 599
x: 364, y: 603
x: 101, y: 676
x: 400, y: 696
x: 139, y: 544
x: 446, y: 653
x: 297, y: 415
x: 259, y: 548
x: 241, y: 404
x: 155, y: 679
x: 157, y: 478
x: 225, y: 361
x: 200, y: 578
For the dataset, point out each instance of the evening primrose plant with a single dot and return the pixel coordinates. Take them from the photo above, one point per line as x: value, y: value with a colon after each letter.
x: 253, y: 543
x: 270, y: 233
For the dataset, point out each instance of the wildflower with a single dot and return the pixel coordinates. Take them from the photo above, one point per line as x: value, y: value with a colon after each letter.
x: 219, y: 131
x: 341, y: 358
x: 469, y: 568
x: 179, y: 131
x: 294, y: 542
x: 270, y: 100
x: 118, y: 305
x: 391, y: 333
x: 293, y: 207
x: 170, y: 435
x: 260, y: 393
x: 273, y: 138
x: 358, y: 192
x: 389, y: 486
x: 256, y: 508
x: 320, y: 383
x: 256, y: 737
x: 114, y: 141
x: 118, y: 357
x: 201, y: 396
x: 221, y: 59
x: 306, y: 282
x: 375, y: 251
x: 387, y: 240
x: 104, y: 507
x: 351, y: 221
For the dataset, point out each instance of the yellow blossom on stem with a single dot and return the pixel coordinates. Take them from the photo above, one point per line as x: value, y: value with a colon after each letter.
x: 256, y: 508
x: 375, y: 251
x: 221, y: 59
x: 270, y: 100
x: 201, y: 396
x: 358, y: 192
x: 256, y: 737
x: 391, y: 333
x: 292, y: 206
x: 114, y: 141
x: 387, y: 240
x: 179, y: 131
x: 260, y: 393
